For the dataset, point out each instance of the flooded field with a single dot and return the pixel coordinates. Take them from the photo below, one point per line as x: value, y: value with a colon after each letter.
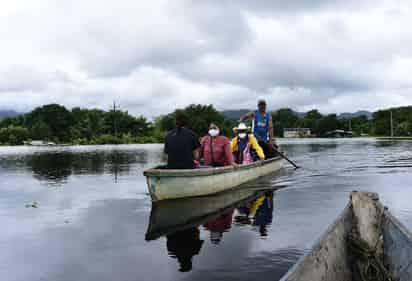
x: 83, y: 213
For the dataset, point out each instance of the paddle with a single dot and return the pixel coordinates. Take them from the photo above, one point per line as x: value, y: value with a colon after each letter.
x: 286, y: 158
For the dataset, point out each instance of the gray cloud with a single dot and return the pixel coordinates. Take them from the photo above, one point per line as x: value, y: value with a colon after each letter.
x: 153, y: 57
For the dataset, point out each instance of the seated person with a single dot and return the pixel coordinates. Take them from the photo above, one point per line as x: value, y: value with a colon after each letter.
x: 215, y: 149
x: 245, y: 147
x: 181, y: 145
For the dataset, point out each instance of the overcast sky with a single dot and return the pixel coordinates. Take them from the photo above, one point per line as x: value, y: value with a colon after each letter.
x: 154, y: 56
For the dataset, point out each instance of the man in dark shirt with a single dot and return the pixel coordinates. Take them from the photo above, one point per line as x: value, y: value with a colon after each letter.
x: 181, y: 145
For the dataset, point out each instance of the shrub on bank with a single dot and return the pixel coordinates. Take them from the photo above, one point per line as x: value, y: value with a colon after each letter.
x: 106, y: 139
x: 13, y: 135
x: 147, y: 139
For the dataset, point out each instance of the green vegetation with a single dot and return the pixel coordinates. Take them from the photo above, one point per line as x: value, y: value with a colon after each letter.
x: 200, y: 116
x: 319, y: 124
x: 13, y: 135
x: 56, y: 123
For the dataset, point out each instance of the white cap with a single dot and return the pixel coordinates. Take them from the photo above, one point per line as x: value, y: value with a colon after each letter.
x: 242, y: 127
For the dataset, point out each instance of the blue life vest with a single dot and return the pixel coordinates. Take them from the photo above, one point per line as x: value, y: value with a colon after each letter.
x: 261, y: 126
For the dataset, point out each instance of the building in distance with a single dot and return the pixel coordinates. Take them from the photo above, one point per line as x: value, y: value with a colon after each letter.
x: 296, y: 132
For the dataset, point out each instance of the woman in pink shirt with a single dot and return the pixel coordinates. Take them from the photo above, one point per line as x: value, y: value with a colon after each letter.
x: 215, y: 149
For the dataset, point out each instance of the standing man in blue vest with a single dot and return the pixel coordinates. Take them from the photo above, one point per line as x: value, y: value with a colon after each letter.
x: 262, y: 127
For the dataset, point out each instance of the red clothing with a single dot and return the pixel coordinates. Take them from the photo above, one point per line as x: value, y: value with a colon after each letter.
x: 222, y: 151
x: 222, y: 223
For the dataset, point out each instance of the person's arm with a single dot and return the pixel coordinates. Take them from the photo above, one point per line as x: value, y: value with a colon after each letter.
x: 196, y: 154
x: 271, y: 136
x: 166, y: 147
x: 233, y: 145
x: 202, y: 148
x: 196, y: 147
x: 249, y: 115
x: 233, y: 148
x: 228, y: 152
x: 257, y: 147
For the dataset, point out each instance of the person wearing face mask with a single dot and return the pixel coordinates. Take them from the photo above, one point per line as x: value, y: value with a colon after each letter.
x: 215, y: 149
x: 245, y: 147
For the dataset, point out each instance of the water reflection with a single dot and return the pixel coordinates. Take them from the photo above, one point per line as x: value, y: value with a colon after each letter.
x: 218, y: 226
x: 258, y: 213
x: 179, y: 220
x: 106, y: 222
x: 55, y: 167
x: 183, y: 245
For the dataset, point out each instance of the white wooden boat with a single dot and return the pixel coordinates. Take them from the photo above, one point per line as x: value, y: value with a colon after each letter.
x: 170, y: 184
x: 337, y: 256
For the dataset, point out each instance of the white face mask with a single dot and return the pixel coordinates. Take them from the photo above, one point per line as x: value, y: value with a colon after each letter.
x: 214, y: 132
x: 242, y: 135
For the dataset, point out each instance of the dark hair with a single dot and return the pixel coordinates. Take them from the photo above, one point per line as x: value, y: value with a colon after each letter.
x: 181, y: 119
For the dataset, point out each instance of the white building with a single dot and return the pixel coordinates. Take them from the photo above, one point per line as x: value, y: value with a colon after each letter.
x: 296, y: 132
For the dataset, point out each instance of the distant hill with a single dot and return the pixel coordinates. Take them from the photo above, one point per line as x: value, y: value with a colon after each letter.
x: 347, y: 115
x: 235, y: 114
x: 8, y: 113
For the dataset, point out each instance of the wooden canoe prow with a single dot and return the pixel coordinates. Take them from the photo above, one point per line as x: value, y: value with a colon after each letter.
x: 330, y: 260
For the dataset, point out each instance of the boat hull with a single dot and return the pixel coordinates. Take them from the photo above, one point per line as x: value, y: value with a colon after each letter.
x: 171, y: 184
x: 330, y: 259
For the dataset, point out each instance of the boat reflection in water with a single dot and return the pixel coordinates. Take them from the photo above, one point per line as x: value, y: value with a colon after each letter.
x: 182, y: 220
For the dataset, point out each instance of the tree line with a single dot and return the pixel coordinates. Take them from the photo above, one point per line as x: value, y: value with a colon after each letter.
x: 54, y: 122
x: 378, y: 125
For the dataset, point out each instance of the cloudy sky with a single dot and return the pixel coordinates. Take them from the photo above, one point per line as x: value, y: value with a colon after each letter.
x: 154, y: 56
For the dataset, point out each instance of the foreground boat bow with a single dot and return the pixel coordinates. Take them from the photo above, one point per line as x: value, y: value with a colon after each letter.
x: 332, y: 257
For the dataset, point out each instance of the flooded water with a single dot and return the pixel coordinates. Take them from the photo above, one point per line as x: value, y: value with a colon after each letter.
x: 83, y: 213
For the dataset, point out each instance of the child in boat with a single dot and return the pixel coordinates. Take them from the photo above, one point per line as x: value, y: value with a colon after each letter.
x: 245, y: 148
x: 215, y: 149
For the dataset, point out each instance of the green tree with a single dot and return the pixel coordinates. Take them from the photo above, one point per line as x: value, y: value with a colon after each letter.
x: 311, y: 120
x: 56, y: 117
x: 284, y: 118
x: 200, y: 116
x: 381, y: 122
x: 15, y: 121
x: 361, y: 125
x: 40, y: 131
x: 313, y: 114
x: 13, y: 135
x: 326, y: 124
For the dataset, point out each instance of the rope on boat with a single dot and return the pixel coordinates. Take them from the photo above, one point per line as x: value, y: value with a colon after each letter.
x: 368, y: 261
x: 370, y: 267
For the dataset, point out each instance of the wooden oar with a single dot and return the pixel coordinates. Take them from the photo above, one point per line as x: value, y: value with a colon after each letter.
x: 286, y: 158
